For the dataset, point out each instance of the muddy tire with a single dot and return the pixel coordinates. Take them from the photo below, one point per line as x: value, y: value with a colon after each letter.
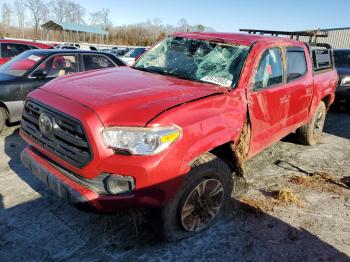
x: 3, y: 117
x: 310, y: 134
x: 199, y: 203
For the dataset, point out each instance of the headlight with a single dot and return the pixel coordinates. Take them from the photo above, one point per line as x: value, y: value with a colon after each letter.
x: 345, y: 80
x: 140, y: 141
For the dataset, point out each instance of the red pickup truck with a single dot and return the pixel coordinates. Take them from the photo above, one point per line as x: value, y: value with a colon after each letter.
x: 172, y: 132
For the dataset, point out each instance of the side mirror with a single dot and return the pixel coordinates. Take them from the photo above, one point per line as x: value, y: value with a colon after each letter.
x: 39, y: 74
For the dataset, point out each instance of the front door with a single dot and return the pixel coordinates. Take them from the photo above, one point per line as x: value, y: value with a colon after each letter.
x: 268, y: 101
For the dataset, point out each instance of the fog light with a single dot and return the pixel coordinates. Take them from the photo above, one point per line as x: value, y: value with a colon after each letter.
x: 116, y: 184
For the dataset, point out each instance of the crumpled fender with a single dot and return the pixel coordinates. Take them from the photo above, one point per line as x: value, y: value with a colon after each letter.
x: 206, y: 123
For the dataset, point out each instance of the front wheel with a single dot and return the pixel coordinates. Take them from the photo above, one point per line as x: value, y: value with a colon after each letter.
x: 310, y: 134
x: 200, y: 202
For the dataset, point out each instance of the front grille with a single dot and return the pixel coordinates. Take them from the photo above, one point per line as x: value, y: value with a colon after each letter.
x: 67, y: 140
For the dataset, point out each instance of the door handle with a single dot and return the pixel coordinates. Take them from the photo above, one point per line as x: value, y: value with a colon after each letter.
x: 284, y: 99
x: 308, y: 91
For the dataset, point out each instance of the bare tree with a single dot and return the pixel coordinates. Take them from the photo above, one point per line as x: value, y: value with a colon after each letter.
x: 74, y: 13
x: 6, y: 15
x: 20, y: 11
x: 67, y: 11
x: 38, y: 11
x: 101, y: 18
x: 106, y: 22
x: 58, y: 9
x: 183, y: 25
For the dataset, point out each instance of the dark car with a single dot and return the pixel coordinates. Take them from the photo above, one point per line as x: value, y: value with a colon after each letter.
x: 342, y: 63
x: 34, y: 68
x: 119, y: 51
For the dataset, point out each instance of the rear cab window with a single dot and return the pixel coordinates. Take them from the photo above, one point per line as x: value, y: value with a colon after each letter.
x: 296, y: 63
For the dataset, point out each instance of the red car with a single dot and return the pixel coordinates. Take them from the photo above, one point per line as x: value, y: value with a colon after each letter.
x: 11, y: 48
x: 172, y: 131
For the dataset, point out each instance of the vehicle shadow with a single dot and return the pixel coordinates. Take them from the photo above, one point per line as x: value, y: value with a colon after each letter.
x: 47, y: 228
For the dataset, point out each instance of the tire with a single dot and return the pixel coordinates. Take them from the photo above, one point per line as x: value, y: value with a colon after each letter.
x: 179, y: 218
x: 3, y: 117
x: 310, y: 134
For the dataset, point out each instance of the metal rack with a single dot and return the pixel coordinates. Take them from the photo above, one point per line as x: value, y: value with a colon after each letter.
x: 312, y: 34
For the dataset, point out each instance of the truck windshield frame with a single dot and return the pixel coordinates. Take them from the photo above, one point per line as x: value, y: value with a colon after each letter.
x: 196, y: 60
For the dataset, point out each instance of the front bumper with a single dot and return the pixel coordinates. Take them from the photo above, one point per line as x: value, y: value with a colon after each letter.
x: 84, y: 197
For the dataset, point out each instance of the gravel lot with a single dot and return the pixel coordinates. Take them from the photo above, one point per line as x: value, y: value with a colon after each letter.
x: 36, y: 225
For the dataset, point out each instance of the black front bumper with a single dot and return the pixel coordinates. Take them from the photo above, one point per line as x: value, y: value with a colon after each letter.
x: 61, y: 189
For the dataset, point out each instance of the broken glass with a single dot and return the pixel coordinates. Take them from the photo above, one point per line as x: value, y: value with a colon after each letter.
x: 197, y: 60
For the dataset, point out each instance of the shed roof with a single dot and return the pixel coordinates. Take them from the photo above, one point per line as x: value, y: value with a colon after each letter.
x: 67, y: 26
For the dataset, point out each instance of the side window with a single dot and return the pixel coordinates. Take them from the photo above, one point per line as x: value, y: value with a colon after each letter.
x: 270, y: 70
x: 93, y: 62
x: 12, y: 50
x: 296, y: 63
x: 58, y: 65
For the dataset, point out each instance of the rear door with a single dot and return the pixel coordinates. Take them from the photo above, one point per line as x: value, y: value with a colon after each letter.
x: 300, y: 83
x: 268, y: 100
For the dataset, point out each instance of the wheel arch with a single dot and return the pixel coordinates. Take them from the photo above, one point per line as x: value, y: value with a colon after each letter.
x: 328, y: 100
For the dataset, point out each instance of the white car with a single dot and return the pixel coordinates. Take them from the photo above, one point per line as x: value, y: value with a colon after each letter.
x: 131, y: 56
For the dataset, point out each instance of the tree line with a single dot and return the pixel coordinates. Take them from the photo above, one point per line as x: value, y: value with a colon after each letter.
x: 23, y: 18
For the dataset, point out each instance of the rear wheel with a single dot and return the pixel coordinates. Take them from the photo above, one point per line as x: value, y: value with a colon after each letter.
x: 3, y: 117
x: 200, y: 201
x: 310, y: 134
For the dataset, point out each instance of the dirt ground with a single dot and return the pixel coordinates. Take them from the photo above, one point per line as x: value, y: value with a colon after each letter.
x: 297, y: 209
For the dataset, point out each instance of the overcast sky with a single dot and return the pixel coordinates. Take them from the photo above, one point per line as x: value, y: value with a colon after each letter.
x: 226, y: 15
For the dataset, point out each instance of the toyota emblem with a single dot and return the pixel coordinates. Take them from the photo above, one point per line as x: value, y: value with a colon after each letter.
x: 46, y: 124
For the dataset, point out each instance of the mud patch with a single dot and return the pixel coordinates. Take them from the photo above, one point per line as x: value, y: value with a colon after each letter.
x: 320, y: 181
x: 241, y: 149
x: 285, y: 196
x: 281, y: 197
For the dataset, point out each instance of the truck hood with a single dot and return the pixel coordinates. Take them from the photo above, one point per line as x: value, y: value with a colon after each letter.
x: 128, y: 97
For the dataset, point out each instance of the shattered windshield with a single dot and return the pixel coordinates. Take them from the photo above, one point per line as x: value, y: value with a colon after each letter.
x: 198, y: 60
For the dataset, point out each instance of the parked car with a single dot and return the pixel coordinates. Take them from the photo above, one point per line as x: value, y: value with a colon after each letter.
x: 70, y: 47
x: 34, y: 68
x: 342, y: 63
x: 11, y: 48
x: 171, y: 132
x: 131, y: 56
x: 119, y: 51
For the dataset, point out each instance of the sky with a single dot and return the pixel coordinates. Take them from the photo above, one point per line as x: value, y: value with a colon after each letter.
x: 229, y: 16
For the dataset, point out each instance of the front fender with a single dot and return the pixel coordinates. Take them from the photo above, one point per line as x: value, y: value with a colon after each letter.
x: 206, y: 124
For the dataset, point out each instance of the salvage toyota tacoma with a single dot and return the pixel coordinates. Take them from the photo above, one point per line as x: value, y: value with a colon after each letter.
x: 172, y: 133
